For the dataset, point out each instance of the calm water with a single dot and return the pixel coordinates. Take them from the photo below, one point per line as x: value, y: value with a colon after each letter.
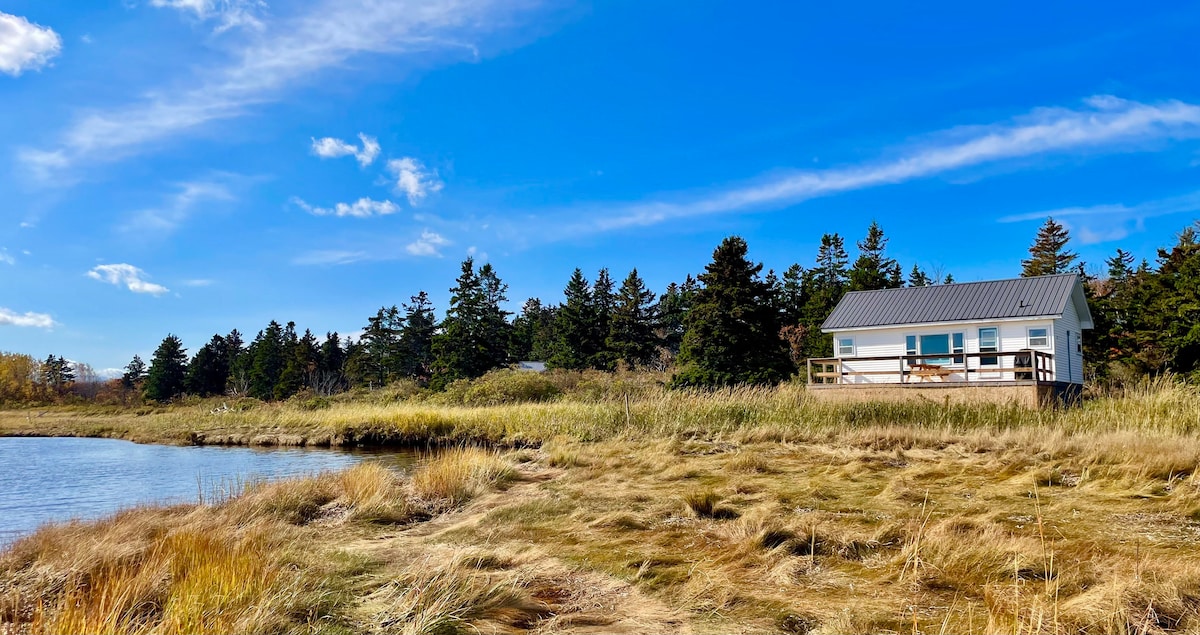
x: 55, y: 479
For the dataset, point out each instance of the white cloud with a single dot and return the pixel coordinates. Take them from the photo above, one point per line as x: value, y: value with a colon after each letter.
x: 1106, y: 223
x: 412, y: 179
x: 362, y: 208
x: 330, y: 257
x: 36, y: 320
x: 179, y: 206
x: 331, y: 148
x: 24, y: 45
x: 6, y: 258
x: 228, y: 13
x: 427, y: 244
x: 199, y: 282
x: 290, y: 53
x: 128, y: 276
x: 1105, y: 124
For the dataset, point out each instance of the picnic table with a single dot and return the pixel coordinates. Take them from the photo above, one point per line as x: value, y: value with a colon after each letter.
x: 929, y: 371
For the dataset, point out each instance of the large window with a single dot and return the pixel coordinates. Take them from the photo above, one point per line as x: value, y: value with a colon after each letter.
x: 943, y: 347
x: 1039, y: 338
x: 989, y: 342
x: 845, y: 347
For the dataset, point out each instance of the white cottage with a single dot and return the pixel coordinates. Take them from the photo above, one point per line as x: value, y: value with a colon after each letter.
x: 1019, y: 332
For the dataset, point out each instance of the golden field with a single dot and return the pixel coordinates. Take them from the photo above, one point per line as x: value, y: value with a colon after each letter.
x: 618, y: 506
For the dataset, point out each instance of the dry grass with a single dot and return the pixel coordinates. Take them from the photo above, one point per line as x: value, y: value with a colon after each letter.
x: 749, y: 510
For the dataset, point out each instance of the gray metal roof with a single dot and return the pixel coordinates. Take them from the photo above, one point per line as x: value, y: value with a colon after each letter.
x: 994, y: 299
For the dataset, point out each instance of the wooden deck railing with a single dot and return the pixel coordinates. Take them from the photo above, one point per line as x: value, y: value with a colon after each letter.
x: 1033, y: 366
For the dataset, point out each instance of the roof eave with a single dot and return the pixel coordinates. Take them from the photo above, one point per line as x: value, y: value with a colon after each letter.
x: 876, y: 327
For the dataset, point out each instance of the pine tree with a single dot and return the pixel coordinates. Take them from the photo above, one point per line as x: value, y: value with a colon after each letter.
x: 631, y: 334
x: 330, y: 376
x: 918, y: 278
x: 135, y: 373
x: 57, y: 373
x: 1048, y: 254
x: 168, y: 370
x: 793, y: 295
x: 209, y: 369
x: 732, y: 332
x: 475, y: 334
x: 873, y: 269
x: 576, y: 326
x: 295, y: 363
x: 604, y: 301
x: 533, y: 336
x: 673, y: 307
x: 266, y: 361
x: 416, y: 338
x: 381, y: 361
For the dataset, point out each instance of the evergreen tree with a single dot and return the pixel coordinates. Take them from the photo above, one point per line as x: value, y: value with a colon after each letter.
x: 1048, y: 255
x: 135, y: 373
x: 873, y: 269
x: 57, y: 373
x: 475, y: 334
x: 330, y: 377
x: 291, y: 378
x: 949, y: 279
x: 824, y: 286
x: 1175, y: 304
x: 266, y: 361
x: 416, y: 338
x: 381, y: 360
x: 631, y: 335
x: 209, y: 369
x: 918, y: 278
x: 732, y: 333
x: 793, y: 294
x: 604, y: 300
x: 238, y: 381
x: 673, y: 307
x: 576, y: 326
x: 533, y: 335
x: 168, y: 370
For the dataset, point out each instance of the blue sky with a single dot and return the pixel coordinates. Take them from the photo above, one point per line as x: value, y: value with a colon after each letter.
x: 192, y: 166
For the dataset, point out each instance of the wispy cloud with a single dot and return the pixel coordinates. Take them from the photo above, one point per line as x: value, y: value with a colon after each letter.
x: 331, y: 148
x: 30, y: 319
x: 179, y: 206
x: 330, y: 257
x: 427, y: 245
x: 227, y: 13
x: 1104, y: 124
x: 128, y: 276
x: 413, y: 179
x: 362, y: 208
x: 288, y: 53
x: 199, y: 282
x: 1106, y: 223
x: 25, y: 46
x: 6, y: 258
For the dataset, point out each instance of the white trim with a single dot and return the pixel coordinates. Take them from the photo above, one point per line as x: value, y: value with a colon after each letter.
x: 837, y: 344
x: 1049, y: 337
x: 948, y: 324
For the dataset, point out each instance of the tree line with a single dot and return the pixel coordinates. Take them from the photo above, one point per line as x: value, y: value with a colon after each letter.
x: 731, y: 324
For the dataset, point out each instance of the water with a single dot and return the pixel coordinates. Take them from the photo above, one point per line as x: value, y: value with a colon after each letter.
x: 56, y: 479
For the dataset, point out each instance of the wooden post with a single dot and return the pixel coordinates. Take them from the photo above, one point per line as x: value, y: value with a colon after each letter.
x: 810, y: 377
x: 902, y: 369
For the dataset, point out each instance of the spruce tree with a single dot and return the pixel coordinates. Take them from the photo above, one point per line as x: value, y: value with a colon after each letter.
x: 576, y: 326
x: 291, y: 377
x: 604, y: 301
x: 918, y: 278
x: 873, y: 269
x: 416, y: 338
x: 475, y: 334
x: 168, y: 370
x: 135, y: 373
x: 266, y: 361
x: 673, y: 307
x: 793, y: 295
x: 631, y: 334
x: 1048, y: 255
x: 732, y: 333
x: 331, y: 367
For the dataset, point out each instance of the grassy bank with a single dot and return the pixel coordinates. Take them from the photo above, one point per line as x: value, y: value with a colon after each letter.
x: 525, y: 410
x: 741, y: 511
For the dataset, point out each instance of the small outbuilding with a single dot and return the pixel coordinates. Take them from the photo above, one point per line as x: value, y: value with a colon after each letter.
x: 1010, y: 339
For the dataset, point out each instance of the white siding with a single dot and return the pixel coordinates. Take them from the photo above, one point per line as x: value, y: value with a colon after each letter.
x: 1068, y: 345
x: 1013, y: 335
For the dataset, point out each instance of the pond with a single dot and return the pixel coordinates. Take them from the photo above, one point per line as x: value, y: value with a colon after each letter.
x: 57, y: 479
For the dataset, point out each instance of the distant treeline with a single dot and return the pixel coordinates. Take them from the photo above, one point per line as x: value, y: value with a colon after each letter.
x: 729, y: 325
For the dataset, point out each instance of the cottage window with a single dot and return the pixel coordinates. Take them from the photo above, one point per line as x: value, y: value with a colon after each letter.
x: 845, y: 347
x: 957, y: 346
x: 1039, y: 338
x: 910, y: 345
x: 989, y: 342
